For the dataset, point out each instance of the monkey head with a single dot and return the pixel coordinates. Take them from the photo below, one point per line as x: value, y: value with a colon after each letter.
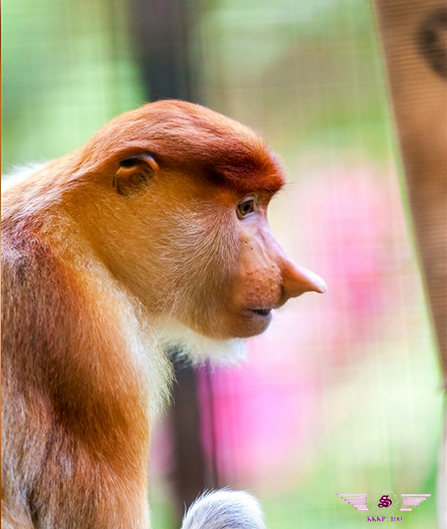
x: 175, y: 201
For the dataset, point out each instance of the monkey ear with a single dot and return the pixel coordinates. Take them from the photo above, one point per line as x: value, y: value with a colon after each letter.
x: 133, y: 175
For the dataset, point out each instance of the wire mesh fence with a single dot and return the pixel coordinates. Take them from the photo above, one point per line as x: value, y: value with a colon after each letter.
x: 342, y: 394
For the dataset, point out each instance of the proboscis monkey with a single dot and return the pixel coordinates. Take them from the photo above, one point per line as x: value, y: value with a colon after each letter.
x: 155, y: 231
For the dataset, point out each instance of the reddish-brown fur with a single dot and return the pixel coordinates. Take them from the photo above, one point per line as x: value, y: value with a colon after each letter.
x: 98, y: 257
x: 182, y: 134
x: 76, y: 436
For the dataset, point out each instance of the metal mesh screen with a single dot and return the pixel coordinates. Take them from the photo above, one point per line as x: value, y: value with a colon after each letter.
x: 342, y: 395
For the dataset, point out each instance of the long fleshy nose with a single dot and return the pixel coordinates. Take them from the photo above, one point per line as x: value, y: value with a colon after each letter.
x: 297, y: 280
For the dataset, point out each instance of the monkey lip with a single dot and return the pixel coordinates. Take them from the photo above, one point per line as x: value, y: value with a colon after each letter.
x: 261, y: 312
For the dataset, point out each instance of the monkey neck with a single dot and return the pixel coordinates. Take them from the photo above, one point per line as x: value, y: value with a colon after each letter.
x: 50, y: 229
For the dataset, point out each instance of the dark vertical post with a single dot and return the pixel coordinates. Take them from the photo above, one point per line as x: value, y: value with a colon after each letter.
x: 162, y: 35
x: 192, y: 473
x: 162, y: 32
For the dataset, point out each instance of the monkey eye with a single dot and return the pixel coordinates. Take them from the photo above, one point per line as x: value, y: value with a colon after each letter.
x: 245, y: 207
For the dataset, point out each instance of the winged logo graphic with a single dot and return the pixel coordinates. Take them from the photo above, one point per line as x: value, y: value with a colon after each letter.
x: 356, y: 500
x: 409, y: 501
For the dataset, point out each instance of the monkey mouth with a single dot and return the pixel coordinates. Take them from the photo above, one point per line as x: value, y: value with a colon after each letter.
x: 261, y: 312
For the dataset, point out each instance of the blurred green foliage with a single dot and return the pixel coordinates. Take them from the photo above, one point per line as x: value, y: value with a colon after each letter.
x: 66, y: 70
x: 304, y: 73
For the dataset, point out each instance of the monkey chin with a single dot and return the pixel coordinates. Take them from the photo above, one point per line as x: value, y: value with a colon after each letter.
x: 253, y: 322
x: 197, y: 348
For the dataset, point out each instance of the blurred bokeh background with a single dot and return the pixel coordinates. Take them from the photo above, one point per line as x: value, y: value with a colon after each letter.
x: 343, y: 392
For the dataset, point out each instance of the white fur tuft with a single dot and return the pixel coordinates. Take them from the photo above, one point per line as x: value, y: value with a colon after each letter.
x: 19, y: 173
x: 224, y: 509
x: 199, y: 348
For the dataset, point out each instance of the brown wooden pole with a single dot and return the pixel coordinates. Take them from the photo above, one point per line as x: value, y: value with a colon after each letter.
x: 414, y: 39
